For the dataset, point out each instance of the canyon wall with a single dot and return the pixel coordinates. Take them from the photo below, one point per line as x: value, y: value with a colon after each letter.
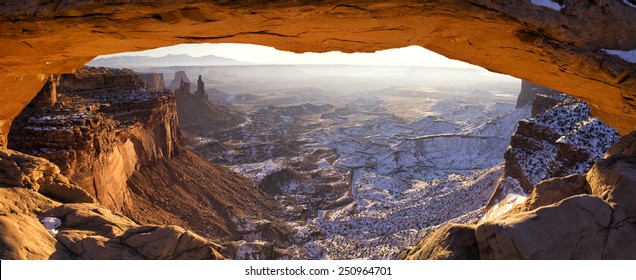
x: 105, y: 127
x: 575, y: 48
x: 153, y: 80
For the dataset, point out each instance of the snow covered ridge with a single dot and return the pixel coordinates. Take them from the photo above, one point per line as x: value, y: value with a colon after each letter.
x: 548, y: 4
x: 580, y: 130
x: 629, y: 56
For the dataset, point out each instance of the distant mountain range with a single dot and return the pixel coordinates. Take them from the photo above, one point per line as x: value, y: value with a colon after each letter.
x: 168, y: 60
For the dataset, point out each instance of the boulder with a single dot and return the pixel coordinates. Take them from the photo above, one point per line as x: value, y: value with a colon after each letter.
x: 554, y: 190
x: 626, y: 145
x: 556, y: 222
x: 575, y: 228
x: 614, y: 180
x: 451, y: 242
x: 22, y: 170
x: 91, y: 232
x: 22, y: 236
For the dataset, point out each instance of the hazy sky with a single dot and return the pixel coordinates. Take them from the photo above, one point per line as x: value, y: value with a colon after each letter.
x: 408, y: 56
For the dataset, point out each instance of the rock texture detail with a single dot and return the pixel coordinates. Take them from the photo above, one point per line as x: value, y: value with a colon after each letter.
x: 564, y: 49
x: 91, y: 232
x: 40, y: 175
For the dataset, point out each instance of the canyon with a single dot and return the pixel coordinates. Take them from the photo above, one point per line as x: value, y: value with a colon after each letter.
x: 131, y: 170
x: 303, y: 173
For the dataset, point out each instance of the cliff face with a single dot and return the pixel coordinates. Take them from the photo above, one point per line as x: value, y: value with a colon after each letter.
x: 531, y: 91
x: 154, y: 81
x: 581, y: 49
x: 104, y: 126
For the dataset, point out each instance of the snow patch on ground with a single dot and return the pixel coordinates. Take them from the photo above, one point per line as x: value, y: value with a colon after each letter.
x: 513, y: 195
x: 250, y: 250
x: 51, y: 224
x: 548, y: 4
x: 258, y: 170
x: 387, y: 215
x: 629, y: 56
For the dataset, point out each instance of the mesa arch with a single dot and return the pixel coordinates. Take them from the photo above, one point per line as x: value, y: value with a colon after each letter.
x: 561, y: 49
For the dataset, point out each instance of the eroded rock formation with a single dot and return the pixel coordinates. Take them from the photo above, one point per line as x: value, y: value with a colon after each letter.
x: 179, y: 78
x: 197, y: 115
x: 563, y: 49
x: 105, y: 126
x: 153, y: 80
x: 589, y: 216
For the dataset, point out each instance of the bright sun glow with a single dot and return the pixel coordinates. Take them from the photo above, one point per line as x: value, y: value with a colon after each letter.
x: 407, y: 56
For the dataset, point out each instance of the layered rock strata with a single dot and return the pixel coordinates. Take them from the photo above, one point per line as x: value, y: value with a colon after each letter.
x: 104, y: 126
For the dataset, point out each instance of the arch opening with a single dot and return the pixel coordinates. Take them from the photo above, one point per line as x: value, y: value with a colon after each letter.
x: 549, y: 45
x: 552, y: 48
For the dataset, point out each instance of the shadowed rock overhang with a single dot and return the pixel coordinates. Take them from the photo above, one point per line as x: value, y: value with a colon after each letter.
x: 560, y: 48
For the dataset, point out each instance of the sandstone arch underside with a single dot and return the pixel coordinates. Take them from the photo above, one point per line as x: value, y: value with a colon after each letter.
x: 562, y: 49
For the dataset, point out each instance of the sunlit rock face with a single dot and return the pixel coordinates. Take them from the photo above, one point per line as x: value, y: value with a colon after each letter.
x: 574, y: 48
x: 104, y: 127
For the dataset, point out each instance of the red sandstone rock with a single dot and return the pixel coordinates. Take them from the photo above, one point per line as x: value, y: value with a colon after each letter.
x: 560, y: 49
